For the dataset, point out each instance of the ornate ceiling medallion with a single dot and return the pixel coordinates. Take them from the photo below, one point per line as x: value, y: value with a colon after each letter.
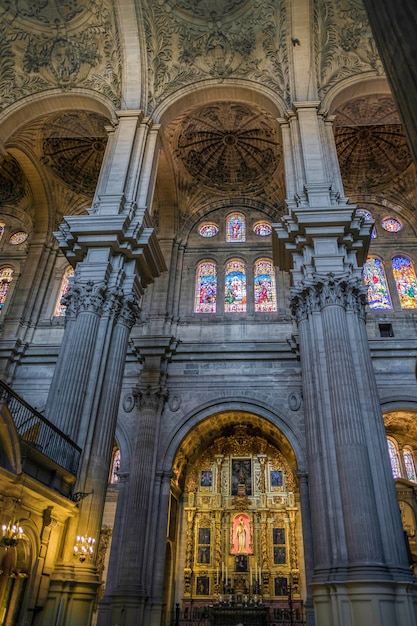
x: 73, y: 147
x: 228, y: 146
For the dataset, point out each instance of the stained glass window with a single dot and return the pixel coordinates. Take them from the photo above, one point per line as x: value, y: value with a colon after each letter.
x: 235, y: 287
x: 114, y: 478
x: 264, y: 286
x: 405, y: 279
x: 6, y: 274
x: 263, y: 229
x: 409, y: 464
x: 368, y: 216
x: 18, y: 238
x: 2, y: 227
x: 391, y: 225
x: 206, y: 288
x: 208, y: 230
x: 61, y: 308
x: 374, y: 276
x: 235, y: 228
x: 395, y: 461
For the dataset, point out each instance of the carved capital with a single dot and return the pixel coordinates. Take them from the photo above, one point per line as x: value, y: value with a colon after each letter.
x: 151, y: 399
x: 85, y: 297
x: 314, y: 295
x: 129, y: 311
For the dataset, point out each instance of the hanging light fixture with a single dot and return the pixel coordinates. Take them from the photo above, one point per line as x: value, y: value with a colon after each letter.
x: 84, y: 548
x: 12, y: 532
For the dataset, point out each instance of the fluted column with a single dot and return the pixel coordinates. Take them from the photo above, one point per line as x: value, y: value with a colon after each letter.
x: 133, y: 583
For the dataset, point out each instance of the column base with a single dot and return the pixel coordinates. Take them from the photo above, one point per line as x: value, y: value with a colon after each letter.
x: 71, y: 596
x: 124, y: 607
x: 367, y: 603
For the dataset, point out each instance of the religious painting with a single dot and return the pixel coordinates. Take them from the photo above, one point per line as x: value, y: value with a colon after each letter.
x: 241, y: 477
x: 206, y: 478
x: 281, y: 586
x: 278, y: 536
x: 280, y: 555
x: 204, y: 535
x: 202, y: 586
x: 241, y: 535
x: 276, y: 478
x: 203, y: 554
x: 241, y: 562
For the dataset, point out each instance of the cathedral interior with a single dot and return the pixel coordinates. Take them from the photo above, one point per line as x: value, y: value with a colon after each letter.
x: 208, y: 313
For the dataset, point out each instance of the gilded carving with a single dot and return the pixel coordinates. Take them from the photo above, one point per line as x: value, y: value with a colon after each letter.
x: 58, y: 43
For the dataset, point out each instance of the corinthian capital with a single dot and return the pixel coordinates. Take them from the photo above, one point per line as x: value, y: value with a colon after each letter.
x: 83, y: 297
x: 151, y: 399
x: 331, y: 289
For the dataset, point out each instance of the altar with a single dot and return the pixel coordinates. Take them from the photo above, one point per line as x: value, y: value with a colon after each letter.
x: 238, y: 615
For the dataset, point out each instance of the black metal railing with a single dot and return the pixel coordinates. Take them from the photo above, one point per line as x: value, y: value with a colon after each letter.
x: 33, y: 428
x: 245, y: 616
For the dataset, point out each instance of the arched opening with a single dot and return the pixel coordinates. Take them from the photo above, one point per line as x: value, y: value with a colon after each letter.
x: 234, y: 527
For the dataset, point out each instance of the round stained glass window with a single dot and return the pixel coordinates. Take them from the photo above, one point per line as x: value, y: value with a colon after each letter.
x: 263, y: 229
x: 391, y: 225
x: 19, y: 237
x: 208, y: 230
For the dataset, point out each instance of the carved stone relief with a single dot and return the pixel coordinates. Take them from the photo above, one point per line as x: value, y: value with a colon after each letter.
x: 234, y: 39
x: 343, y: 43
x: 58, y: 43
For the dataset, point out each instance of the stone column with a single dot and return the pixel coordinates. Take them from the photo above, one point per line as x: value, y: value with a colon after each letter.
x: 132, y: 586
x: 361, y: 573
x: 116, y: 255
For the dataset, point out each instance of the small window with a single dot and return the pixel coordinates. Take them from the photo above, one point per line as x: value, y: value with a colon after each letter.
x: 262, y: 229
x: 391, y: 225
x: 2, y: 227
x: 115, y: 468
x: 373, y: 273
x: 208, y: 230
x: 6, y: 277
x: 19, y: 237
x: 368, y: 216
x: 60, y: 308
x: 385, y: 330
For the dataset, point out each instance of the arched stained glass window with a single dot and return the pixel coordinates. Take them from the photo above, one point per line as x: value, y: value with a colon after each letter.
x: 6, y: 277
x: 2, y: 227
x: 394, y: 458
x: 405, y: 279
x: 374, y: 276
x: 235, y: 228
x: 206, y: 288
x: 235, y: 287
x: 391, y: 225
x: 61, y: 308
x: 264, y: 286
x: 409, y: 464
x: 368, y: 216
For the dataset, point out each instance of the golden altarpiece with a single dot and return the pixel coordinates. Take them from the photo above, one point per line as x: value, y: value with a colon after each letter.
x: 239, y: 529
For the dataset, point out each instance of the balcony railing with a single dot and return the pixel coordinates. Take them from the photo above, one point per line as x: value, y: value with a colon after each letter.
x: 34, y: 429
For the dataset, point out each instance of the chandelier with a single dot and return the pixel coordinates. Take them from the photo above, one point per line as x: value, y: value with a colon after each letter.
x: 84, y: 548
x: 12, y: 532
